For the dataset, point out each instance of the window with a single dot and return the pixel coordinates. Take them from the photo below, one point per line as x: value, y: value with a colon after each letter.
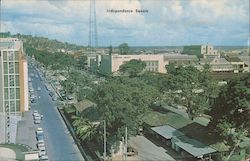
x: 17, y: 93
x: 18, y: 105
x: 12, y: 93
x: 11, y: 55
x: 6, y: 93
x: 5, y: 66
x: 12, y: 80
x: 5, y: 56
x: 6, y: 81
x: 12, y: 106
x: 16, y: 67
x: 17, y: 80
x: 11, y: 67
x: 16, y: 56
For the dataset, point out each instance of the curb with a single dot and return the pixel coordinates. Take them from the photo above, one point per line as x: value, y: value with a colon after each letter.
x: 73, y: 134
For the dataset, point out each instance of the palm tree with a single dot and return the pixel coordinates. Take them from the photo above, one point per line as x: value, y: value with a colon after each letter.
x: 84, y: 128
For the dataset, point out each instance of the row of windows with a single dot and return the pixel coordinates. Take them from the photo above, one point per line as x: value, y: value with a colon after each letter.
x: 151, y: 63
x: 10, y: 56
x: 14, y: 105
x: 11, y: 93
x: 152, y: 69
x: 11, y: 67
x: 11, y: 80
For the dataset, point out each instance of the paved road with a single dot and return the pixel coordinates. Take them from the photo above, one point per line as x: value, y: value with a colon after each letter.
x: 58, y: 141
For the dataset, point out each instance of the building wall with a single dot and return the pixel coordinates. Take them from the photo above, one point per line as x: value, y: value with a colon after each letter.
x: 14, y: 76
x: 105, y: 66
x: 154, y: 63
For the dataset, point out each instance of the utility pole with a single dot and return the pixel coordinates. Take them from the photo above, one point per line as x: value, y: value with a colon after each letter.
x: 126, y: 142
x: 104, y: 141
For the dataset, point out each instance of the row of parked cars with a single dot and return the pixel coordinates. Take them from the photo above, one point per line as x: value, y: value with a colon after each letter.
x: 40, y: 136
x: 41, y: 145
x: 37, y: 117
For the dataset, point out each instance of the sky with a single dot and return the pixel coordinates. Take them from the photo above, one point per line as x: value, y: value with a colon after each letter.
x: 167, y: 22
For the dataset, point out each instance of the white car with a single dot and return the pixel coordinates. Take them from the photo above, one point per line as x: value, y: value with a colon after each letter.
x: 37, y: 117
x: 41, y: 146
x: 37, y: 121
x: 42, y: 153
x: 38, y: 88
x: 35, y: 112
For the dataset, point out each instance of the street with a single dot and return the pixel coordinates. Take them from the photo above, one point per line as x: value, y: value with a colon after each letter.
x: 59, y: 143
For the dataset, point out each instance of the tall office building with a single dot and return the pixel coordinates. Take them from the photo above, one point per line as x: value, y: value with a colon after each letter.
x: 13, y: 84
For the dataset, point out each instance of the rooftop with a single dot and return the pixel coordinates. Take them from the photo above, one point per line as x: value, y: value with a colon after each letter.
x: 10, y: 43
x: 84, y: 104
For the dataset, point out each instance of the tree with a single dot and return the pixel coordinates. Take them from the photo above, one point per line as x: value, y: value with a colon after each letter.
x: 191, y: 88
x: 171, y: 69
x: 232, y: 107
x: 230, y: 113
x: 124, y: 105
x: 84, y: 128
x: 123, y: 49
x: 133, y: 67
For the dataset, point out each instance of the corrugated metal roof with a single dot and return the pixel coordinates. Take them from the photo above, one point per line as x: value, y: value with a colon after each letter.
x: 193, y: 146
x: 190, y: 145
x: 167, y: 131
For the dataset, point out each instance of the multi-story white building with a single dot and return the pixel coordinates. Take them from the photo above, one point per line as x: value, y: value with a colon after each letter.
x: 110, y: 63
x: 13, y: 82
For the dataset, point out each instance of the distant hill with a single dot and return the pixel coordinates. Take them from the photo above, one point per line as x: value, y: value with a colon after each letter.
x: 43, y: 43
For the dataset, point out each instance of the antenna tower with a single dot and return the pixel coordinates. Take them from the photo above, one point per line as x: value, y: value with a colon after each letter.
x: 93, y: 43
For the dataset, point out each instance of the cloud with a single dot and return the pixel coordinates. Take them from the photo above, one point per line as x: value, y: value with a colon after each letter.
x: 172, y: 22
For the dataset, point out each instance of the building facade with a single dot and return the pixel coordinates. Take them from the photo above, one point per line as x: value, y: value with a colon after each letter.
x: 181, y: 59
x: 13, y: 79
x: 111, y: 63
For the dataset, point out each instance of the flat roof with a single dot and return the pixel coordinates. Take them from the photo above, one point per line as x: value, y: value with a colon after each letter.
x: 193, y: 146
x: 167, y: 131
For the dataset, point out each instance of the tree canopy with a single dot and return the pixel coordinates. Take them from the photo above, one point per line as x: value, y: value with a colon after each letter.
x: 191, y: 88
x: 133, y: 67
x: 123, y: 101
x: 123, y: 49
x: 232, y: 108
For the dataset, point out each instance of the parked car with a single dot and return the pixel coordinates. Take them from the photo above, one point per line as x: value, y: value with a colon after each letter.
x: 38, y: 88
x: 42, y: 153
x: 40, y: 138
x: 37, y: 121
x: 39, y: 130
x: 44, y: 158
x: 35, y: 112
x: 41, y: 146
